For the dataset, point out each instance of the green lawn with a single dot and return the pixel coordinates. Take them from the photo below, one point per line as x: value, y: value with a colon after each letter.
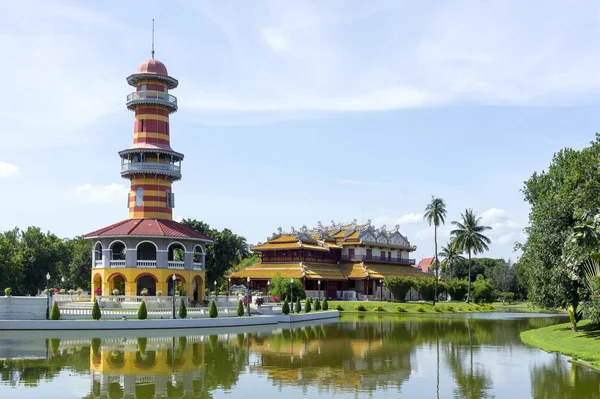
x: 411, y: 307
x: 583, y: 345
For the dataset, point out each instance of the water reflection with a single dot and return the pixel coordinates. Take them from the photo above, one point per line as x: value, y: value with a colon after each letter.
x: 457, y: 357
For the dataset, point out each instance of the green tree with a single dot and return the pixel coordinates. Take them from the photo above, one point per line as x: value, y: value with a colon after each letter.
x: 55, y: 312
x: 182, y: 313
x: 212, y: 310
x: 483, y: 291
x: 78, y: 261
x: 457, y: 289
x: 240, y: 309
x: 325, y: 305
x: 317, y: 305
x: 96, y: 313
x: 503, y: 276
x: 435, y: 214
x: 142, y: 312
x: 469, y: 238
x: 285, y: 309
x: 307, y: 306
x: 283, y: 287
x: 399, y: 286
x: 11, y: 266
x: 559, y: 198
x: 426, y: 287
x: 298, y: 306
x: 450, y: 258
x: 227, y: 251
x: 39, y: 254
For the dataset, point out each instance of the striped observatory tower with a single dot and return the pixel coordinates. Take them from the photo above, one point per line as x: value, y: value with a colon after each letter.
x: 150, y: 163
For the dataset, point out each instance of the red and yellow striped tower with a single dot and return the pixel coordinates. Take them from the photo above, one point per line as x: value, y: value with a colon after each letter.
x: 150, y: 163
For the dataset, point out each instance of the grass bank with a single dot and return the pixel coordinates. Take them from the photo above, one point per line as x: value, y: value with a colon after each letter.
x: 583, y: 346
x: 443, y: 307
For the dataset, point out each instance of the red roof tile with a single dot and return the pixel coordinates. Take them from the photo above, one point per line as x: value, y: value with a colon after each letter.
x: 425, y: 263
x: 148, y: 227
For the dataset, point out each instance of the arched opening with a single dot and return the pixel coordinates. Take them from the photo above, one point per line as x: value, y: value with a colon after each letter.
x: 176, y: 252
x: 198, y: 252
x: 117, y: 285
x: 97, y: 283
x: 146, y: 282
x: 117, y: 251
x: 98, y: 252
x: 197, y: 288
x: 179, y: 282
x: 146, y: 251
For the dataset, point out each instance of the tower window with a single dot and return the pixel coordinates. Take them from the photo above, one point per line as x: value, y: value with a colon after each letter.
x: 170, y: 199
x: 139, y: 196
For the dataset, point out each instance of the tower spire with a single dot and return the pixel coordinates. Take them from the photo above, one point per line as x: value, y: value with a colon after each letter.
x: 152, y: 38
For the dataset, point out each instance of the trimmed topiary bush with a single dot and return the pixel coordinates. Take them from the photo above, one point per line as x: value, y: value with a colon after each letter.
x: 142, y: 342
x: 96, y: 342
x: 338, y: 307
x: 240, y: 309
x: 55, y: 312
x: 379, y: 308
x: 212, y: 311
x: 399, y: 286
x: 425, y: 286
x: 307, y: 306
x: 182, y: 310
x: 420, y: 308
x: 450, y: 308
x: 437, y: 309
x: 142, y: 312
x: 285, y: 309
x: 96, y: 314
x: 325, y: 305
x: 400, y: 309
x: 360, y: 307
x: 317, y: 305
x: 7, y: 291
x: 298, y: 306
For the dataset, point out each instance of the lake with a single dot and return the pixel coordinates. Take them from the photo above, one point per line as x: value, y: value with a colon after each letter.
x: 437, y: 356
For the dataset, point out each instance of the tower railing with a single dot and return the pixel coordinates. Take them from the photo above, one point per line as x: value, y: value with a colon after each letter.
x: 151, y: 167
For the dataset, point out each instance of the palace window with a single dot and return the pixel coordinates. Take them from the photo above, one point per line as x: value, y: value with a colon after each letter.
x: 389, y: 256
x: 351, y: 253
x: 369, y: 253
x: 382, y: 255
x: 139, y: 196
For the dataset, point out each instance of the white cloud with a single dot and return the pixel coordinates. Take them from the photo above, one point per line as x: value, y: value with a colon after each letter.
x: 351, y: 182
x: 7, y: 169
x: 410, y: 218
x: 111, y: 193
x: 498, y: 219
x: 178, y: 218
x: 275, y: 39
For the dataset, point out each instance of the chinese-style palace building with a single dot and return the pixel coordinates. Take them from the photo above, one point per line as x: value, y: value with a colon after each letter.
x: 341, y: 261
x: 144, y: 251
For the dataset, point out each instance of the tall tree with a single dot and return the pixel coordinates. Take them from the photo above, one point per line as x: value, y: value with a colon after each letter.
x: 469, y: 238
x: 228, y: 249
x: 435, y: 214
x: 450, y: 257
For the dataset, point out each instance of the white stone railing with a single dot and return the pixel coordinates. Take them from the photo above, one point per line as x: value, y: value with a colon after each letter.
x: 197, y: 266
x: 98, y: 263
x: 176, y: 265
x: 117, y: 263
x: 151, y: 167
x: 146, y: 263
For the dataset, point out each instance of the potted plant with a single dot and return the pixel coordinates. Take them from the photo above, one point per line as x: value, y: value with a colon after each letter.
x: 97, y: 291
x: 259, y: 301
x: 63, y: 291
x: 115, y: 292
x: 7, y: 291
x: 144, y: 291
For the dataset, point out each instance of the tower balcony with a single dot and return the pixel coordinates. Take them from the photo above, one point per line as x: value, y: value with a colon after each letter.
x: 168, y: 169
x: 151, y: 97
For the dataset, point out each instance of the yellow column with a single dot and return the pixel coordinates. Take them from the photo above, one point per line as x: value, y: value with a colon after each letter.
x: 164, y: 287
x: 130, y: 288
x: 105, y: 288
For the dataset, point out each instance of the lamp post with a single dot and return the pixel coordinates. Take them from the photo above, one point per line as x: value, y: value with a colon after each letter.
x: 319, y: 284
x: 248, y: 297
x: 268, y: 286
x: 174, y: 278
x: 291, y: 295
x: 228, y: 285
x: 47, y: 296
x: 215, y: 284
x: 63, y: 282
x: 381, y: 289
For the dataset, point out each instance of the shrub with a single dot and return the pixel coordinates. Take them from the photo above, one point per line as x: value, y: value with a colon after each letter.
x: 379, y: 308
x: 182, y: 310
x: 144, y: 291
x: 317, y: 305
x: 285, y: 309
x: 96, y: 342
x: 276, y: 299
x: 7, y: 291
x: 55, y: 312
x: 457, y: 289
x: 592, y: 307
x: 338, y: 307
x: 507, y: 297
x: 281, y: 287
x: 399, y: 286
x: 450, y: 308
x: 80, y: 291
x: 142, y: 342
x: 207, y: 292
x: 159, y: 293
x: 212, y: 310
x: 437, y: 309
x: 360, y: 307
x: 115, y: 292
x: 97, y: 291
x: 325, y: 305
x: 298, y: 306
x: 425, y: 286
x: 96, y: 314
x: 482, y: 291
x: 240, y: 309
x: 420, y: 308
x: 142, y: 312
x: 307, y: 306
x: 62, y: 291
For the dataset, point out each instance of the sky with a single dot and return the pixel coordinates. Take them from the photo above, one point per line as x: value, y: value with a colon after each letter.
x: 292, y: 113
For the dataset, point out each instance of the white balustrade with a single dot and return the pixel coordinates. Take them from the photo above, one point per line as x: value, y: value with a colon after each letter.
x: 150, y: 167
x: 146, y: 263
x: 117, y: 263
x: 176, y: 265
x: 98, y: 263
x: 197, y: 266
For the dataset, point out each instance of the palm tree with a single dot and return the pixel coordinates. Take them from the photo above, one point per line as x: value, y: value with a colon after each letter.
x: 450, y: 257
x: 469, y: 238
x: 435, y: 213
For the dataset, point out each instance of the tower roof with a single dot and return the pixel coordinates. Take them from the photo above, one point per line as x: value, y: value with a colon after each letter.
x: 154, y: 67
x: 149, y: 228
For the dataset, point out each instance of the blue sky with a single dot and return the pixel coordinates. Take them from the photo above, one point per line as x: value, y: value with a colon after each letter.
x: 297, y: 112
